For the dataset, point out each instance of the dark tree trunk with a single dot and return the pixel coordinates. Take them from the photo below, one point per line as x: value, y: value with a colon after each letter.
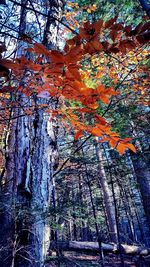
x: 143, y: 178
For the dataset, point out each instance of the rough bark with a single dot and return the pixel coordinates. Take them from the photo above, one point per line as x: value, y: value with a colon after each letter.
x: 30, y: 163
x: 31, y: 160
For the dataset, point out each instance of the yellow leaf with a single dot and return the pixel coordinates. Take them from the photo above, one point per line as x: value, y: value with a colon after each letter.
x: 88, y: 10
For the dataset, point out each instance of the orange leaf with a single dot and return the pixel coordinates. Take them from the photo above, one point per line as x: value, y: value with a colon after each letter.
x: 97, y: 46
x: 100, y: 89
x: 113, y: 143
x: 131, y: 147
x: 126, y: 45
x: 104, y: 98
x: 115, y: 35
x: 30, y: 49
x: 74, y: 54
x: 121, y: 148
x: 93, y: 105
x: 117, y: 27
x: 95, y: 131
x: 57, y: 56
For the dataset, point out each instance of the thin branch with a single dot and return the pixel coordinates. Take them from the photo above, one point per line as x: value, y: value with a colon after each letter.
x: 36, y: 17
x: 13, y: 118
x: 8, y: 27
x: 76, y: 150
x: 12, y: 36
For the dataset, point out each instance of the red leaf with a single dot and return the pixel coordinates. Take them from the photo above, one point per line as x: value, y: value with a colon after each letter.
x: 100, y: 119
x: 145, y: 27
x: 117, y: 27
x: 109, y: 23
x: 78, y: 134
x: 40, y: 49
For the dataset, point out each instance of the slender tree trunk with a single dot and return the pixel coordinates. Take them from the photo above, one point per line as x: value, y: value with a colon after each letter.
x: 116, y: 212
x: 98, y: 233
x: 84, y: 228
x: 107, y: 196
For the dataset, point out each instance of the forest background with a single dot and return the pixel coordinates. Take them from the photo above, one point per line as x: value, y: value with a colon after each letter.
x: 74, y: 132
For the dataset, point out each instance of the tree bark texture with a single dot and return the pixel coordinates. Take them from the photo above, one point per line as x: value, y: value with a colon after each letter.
x: 30, y: 163
x: 31, y: 159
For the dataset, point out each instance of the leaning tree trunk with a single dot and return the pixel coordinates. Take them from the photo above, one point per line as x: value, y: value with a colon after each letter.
x: 31, y: 160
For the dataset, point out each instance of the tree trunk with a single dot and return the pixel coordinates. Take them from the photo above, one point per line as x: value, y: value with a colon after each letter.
x: 31, y: 160
x: 94, y: 247
x: 98, y: 232
x: 107, y: 196
x: 142, y: 171
x: 143, y: 178
x: 30, y: 164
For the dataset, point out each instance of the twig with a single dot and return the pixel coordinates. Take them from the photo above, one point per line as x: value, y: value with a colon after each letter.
x: 76, y: 150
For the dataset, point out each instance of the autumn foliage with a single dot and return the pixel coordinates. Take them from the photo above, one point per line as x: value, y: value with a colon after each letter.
x: 74, y: 76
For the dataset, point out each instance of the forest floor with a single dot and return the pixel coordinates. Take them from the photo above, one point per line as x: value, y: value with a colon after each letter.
x: 72, y: 259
